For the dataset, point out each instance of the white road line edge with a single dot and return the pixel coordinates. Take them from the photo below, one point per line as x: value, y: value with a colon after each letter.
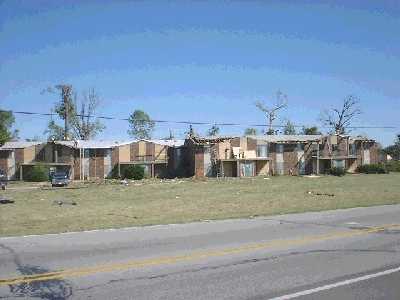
x: 335, y: 285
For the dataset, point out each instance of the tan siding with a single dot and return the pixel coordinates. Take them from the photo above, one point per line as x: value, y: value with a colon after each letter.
x: 29, y: 154
x: 160, y: 152
x: 124, y: 153
x: 243, y: 143
x: 224, y: 150
x: 142, y: 149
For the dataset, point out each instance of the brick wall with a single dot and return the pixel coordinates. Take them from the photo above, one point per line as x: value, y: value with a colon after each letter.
x: 150, y: 150
x: 374, y: 153
x: 4, y: 161
x: 308, y: 152
x: 65, y: 154
x: 251, y: 144
x: 343, y: 146
x: 77, y: 165
x: 96, y: 163
x: 134, y: 151
x: 19, y: 159
x: 235, y: 142
x: 272, y: 156
x: 290, y: 159
x: 199, y: 162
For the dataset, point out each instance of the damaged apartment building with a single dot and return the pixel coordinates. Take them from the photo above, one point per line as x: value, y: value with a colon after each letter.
x: 84, y: 160
x: 196, y: 156
x: 277, y: 155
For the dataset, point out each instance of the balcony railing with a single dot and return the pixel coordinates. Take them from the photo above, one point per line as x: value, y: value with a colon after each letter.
x: 148, y: 158
x: 333, y: 154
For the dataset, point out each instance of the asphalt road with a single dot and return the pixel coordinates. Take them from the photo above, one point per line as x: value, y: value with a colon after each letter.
x: 343, y: 254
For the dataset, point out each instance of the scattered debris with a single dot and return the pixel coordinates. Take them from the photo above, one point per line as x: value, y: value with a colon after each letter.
x: 311, y: 176
x: 64, y: 202
x: 320, y: 194
x: 124, y: 182
x: 6, y: 201
x: 267, y: 178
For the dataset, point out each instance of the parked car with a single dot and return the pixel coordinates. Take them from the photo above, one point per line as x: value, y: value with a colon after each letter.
x: 3, y: 180
x: 60, y: 179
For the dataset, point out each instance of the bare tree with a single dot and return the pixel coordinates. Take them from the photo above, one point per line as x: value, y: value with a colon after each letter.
x: 340, y: 119
x: 82, y: 124
x: 271, y: 112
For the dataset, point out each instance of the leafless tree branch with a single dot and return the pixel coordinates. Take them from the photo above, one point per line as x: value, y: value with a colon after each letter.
x: 340, y: 118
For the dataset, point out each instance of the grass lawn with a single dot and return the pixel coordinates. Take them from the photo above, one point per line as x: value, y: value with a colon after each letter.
x: 154, y: 202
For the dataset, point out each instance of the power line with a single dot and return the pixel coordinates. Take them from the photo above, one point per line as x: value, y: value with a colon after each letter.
x: 189, y: 122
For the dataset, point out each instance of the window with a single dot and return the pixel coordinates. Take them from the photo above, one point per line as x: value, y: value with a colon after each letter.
x: 262, y: 150
x: 247, y: 169
x: 353, y: 149
x: 279, y: 148
x: 280, y: 168
x: 300, y: 147
x: 302, y: 167
x: 338, y: 163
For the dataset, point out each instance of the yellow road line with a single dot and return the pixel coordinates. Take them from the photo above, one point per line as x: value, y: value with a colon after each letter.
x: 167, y: 260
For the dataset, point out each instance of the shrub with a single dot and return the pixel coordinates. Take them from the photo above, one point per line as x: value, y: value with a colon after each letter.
x: 37, y: 174
x: 372, y: 169
x: 337, y: 171
x: 393, y: 166
x: 133, y: 172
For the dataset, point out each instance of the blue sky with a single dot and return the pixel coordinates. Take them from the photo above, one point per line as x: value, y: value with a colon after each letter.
x: 203, y: 60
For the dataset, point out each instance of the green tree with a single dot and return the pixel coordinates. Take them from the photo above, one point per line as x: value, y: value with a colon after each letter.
x: 310, y: 130
x: 54, y: 132
x: 213, y: 131
x: 250, y: 131
x: 140, y: 125
x: 394, y: 150
x: 6, y: 122
x: 289, y: 128
x: 36, y: 138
